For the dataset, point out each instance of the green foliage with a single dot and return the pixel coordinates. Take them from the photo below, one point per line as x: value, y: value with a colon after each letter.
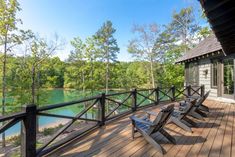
x: 16, y: 140
x: 204, y: 32
x: 8, y: 10
x: 184, y: 26
x: 144, y: 48
x: 92, y: 64
x: 51, y: 130
x: 106, y: 43
x: 107, y: 48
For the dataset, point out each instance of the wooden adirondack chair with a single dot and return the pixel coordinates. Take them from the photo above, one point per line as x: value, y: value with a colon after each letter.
x: 179, y: 117
x: 196, y: 112
x: 147, y: 128
x: 202, y: 106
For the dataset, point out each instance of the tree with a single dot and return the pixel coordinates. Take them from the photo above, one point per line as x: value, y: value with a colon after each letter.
x: 8, y: 39
x: 77, y: 57
x: 204, y: 32
x: 144, y: 47
x: 38, y: 50
x: 184, y: 27
x: 52, y: 73
x: 91, y: 54
x: 108, y: 47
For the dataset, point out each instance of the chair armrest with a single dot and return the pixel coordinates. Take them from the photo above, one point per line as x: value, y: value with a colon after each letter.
x: 181, y: 108
x: 194, y: 97
x: 151, y: 113
x: 133, y: 118
x: 180, y: 111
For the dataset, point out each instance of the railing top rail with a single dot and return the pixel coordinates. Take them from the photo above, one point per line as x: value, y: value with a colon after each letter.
x: 12, y: 116
x: 54, y: 106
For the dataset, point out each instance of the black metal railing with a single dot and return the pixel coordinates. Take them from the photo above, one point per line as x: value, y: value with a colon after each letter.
x: 106, y: 106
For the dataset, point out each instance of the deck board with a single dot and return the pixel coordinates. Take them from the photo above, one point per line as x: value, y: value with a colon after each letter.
x: 212, y: 137
x: 216, y: 147
x: 204, y: 148
x: 233, y: 133
x: 225, y: 150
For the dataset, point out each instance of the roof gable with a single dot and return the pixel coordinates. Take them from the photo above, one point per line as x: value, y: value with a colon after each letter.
x: 208, y: 45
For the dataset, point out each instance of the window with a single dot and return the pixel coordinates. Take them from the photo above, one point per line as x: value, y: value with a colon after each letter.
x: 214, y: 73
x: 192, y: 74
x: 228, y: 77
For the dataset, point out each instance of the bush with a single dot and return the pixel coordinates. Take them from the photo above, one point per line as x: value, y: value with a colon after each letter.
x: 15, y: 140
x: 50, y: 131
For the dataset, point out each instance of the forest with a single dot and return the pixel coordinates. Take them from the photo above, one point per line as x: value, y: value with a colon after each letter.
x: 28, y: 65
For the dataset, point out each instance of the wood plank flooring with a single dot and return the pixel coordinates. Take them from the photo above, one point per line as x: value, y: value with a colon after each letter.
x: 215, y: 136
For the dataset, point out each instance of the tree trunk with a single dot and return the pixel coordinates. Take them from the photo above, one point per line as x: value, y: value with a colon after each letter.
x: 33, y: 85
x: 152, y: 74
x: 38, y: 97
x: 84, y: 90
x: 83, y: 81
x: 107, y: 77
x: 92, y: 75
x: 4, y: 86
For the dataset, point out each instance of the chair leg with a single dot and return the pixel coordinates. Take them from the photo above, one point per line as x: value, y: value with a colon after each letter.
x: 191, y: 122
x: 168, y: 136
x: 179, y: 123
x: 133, y: 131
x: 204, y: 108
x: 201, y: 113
x: 196, y: 115
x: 153, y: 143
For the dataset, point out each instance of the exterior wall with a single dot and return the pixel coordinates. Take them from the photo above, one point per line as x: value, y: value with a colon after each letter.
x: 204, y: 75
x: 205, y: 79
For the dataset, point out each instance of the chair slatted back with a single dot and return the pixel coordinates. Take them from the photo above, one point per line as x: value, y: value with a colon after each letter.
x: 207, y: 94
x: 161, y: 119
x: 188, y: 108
x: 202, y: 99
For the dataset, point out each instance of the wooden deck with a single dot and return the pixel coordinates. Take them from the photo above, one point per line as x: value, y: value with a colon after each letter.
x: 213, y: 137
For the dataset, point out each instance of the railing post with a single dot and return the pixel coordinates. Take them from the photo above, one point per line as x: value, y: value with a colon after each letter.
x: 102, y: 109
x: 189, y: 90
x: 134, y: 100
x: 28, y: 138
x: 173, y: 92
x: 157, y: 94
x: 202, y: 90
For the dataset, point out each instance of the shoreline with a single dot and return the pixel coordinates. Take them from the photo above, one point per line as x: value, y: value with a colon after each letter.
x: 50, y: 125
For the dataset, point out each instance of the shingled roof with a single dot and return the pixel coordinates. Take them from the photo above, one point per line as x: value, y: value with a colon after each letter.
x: 208, y: 45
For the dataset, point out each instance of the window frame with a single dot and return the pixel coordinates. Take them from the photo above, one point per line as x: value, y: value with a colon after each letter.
x: 212, y: 73
x: 187, y: 67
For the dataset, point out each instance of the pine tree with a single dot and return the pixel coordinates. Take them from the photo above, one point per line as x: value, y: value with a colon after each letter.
x: 108, y: 48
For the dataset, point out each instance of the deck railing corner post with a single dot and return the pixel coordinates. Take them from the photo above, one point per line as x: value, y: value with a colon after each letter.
x: 189, y: 90
x: 29, y: 131
x: 102, y: 109
x: 157, y: 98
x: 202, y: 90
x: 173, y: 93
x: 134, y: 99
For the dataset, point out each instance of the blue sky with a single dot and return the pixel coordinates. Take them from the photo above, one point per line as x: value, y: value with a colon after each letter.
x: 71, y: 18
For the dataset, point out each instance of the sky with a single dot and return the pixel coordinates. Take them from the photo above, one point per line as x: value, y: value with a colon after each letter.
x: 72, y: 18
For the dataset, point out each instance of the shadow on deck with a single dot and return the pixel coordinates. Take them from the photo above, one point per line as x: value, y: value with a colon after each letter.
x: 215, y: 136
